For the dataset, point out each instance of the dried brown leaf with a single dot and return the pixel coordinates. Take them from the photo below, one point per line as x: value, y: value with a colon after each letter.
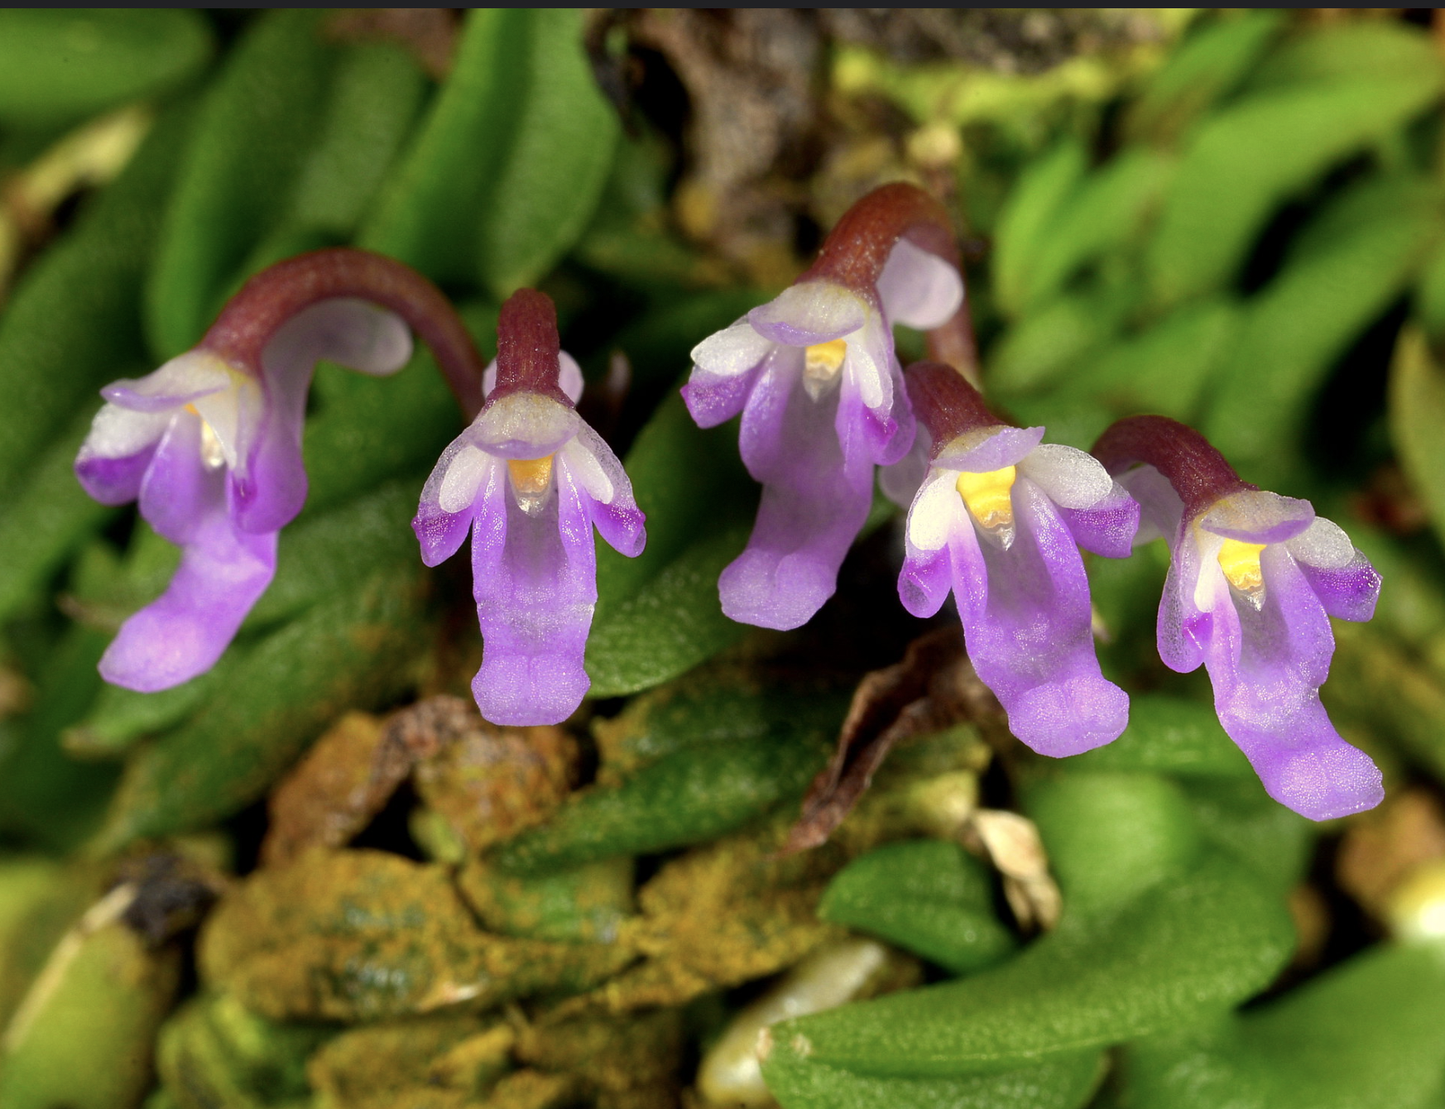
x: 932, y: 689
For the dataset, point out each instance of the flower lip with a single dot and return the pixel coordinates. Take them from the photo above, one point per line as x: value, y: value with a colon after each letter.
x: 989, y: 448
x: 810, y: 313
x: 1257, y: 516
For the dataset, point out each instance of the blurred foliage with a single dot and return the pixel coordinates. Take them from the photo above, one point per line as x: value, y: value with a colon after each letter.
x: 1233, y: 218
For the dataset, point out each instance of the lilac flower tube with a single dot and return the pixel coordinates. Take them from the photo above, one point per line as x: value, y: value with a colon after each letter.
x: 530, y: 480
x: 816, y: 379
x: 999, y: 520
x: 210, y: 443
x: 1253, y: 580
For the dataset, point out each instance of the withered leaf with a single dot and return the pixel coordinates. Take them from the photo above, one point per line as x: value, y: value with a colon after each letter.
x: 932, y: 689
x: 352, y: 771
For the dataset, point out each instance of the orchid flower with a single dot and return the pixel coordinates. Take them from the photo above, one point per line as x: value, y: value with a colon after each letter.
x: 210, y: 443
x: 999, y: 520
x: 819, y: 387
x: 530, y: 480
x: 1253, y: 579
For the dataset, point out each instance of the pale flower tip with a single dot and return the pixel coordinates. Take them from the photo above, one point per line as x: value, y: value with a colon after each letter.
x: 1324, y: 781
x: 519, y: 690
x: 761, y: 589
x: 919, y: 289
x: 1069, y: 717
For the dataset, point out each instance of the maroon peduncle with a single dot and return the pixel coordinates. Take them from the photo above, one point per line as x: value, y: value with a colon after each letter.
x: 277, y: 293
x: 1198, y: 472
x: 857, y: 249
x: 527, y: 346
x: 946, y: 403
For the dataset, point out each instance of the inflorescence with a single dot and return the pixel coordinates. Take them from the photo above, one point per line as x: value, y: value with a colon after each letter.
x: 210, y: 447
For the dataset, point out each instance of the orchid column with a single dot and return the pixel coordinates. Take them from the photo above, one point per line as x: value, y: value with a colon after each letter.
x: 820, y: 390
x: 530, y: 480
x: 1253, y: 580
x: 210, y: 443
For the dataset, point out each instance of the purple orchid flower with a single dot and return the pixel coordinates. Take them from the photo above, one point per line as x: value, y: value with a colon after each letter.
x: 210, y: 443
x: 1253, y: 580
x: 815, y: 377
x: 999, y: 519
x: 530, y: 480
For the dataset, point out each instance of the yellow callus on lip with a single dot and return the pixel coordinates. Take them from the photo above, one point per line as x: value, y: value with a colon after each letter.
x: 213, y: 455
x: 987, y: 497
x: 1240, y: 562
x: 821, y: 363
x: 530, y: 476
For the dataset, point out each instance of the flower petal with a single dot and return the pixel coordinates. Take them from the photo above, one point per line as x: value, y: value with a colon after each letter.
x: 919, y: 289
x: 602, y: 483
x: 523, y: 425
x: 925, y: 581
x: 113, y: 459
x: 1267, y: 666
x: 901, y: 481
x: 448, y: 502
x: 1257, y: 516
x: 1028, y: 633
x: 223, y: 572
x: 990, y: 449
x: 810, y: 312
x: 813, y: 505
x: 181, y: 381
x: 350, y: 332
x: 1161, y: 511
x: 534, y: 579
x: 179, y: 490
x: 1108, y: 528
x: 936, y: 510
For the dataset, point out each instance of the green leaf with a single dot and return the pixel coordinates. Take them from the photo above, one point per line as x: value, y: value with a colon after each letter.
x: 46, y: 519
x: 256, y: 124
x: 1165, y: 368
x: 1237, y: 816
x: 1107, y: 211
x: 119, y: 717
x: 45, y: 794
x: 367, y: 430
x: 1368, y: 1034
x: 691, y: 795
x: 355, y: 650
x: 800, y: 1083
x: 1208, y: 66
x: 1417, y: 415
x: 1043, y: 348
x: 548, y: 188
x: 1304, y: 319
x: 511, y: 159
x: 73, y: 323
x: 327, y: 554
x: 925, y: 896
x: 1169, y: 735
x: 658, y: 615
x: 1110, y: 837
x: 58, y: 65
x: 1360, y: 48
x: 1042, y: 191
x: 1198, y: 943
x: 1250, y: 158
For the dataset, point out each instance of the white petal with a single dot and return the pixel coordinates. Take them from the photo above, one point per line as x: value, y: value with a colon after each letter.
x: 121, y: 432
x: 524, y: 425
x: 234, y: 415
x: 917, y: 288
x: 463, y: 478
x: 353, y: 333
x: 865, y: 367
x: 935, y: 511
x: 587, y: 470
x: 1070, y: 477
x: 569, y: 376
x: 1160, y: 509
x: 811, y: 312
x: 732, y: 351
x: 1323, y: 544
x: 179, y: 382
